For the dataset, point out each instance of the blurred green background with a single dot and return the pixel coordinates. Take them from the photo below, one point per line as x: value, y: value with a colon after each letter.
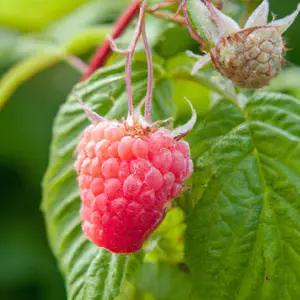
x: 27, y: 267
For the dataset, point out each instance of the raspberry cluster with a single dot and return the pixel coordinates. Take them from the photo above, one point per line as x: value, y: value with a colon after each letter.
x: 127, y: 176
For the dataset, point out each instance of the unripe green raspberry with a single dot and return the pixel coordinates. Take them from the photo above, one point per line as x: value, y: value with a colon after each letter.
x: 250, y: 57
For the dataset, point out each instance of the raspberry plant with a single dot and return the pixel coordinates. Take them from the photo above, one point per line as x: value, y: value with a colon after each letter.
x: 233, y: 232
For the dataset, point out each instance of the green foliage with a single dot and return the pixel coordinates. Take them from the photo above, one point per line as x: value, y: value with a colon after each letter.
x: 235, y: 226
x: 243, y: 194
x: 245, y: 224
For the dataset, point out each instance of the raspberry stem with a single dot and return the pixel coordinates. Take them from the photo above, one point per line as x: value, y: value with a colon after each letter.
x: 150, y: 75
x: 153, y: 10
x: 131, y: 50
x: 161, y: 5
x: 167, y: 16
x: 76, y: 63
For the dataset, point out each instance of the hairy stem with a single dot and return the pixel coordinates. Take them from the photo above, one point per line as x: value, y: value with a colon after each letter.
x: 130, y: 58
x: 153, y: 10
x: 126, y: 18
x: 150, y: 75
x: 161, y: 5
x: 167, y: 16
x: 76, y: 63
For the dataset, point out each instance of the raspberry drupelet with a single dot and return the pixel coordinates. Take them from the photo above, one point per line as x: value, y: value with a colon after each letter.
x: 129, y: 171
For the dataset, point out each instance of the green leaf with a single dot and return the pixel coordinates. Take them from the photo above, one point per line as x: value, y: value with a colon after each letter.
x: 90, y: 272
x: 85, y: 40
x: 245, y: 226
x: 162, y: 102
x: 191, y: 90
x: 170, y: 45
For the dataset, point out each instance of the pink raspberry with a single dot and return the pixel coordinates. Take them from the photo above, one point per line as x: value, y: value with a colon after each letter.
x: 127, y: 176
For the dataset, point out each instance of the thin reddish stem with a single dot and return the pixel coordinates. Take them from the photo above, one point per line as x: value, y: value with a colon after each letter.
x: 161, y: 5
x: 167, y: 16
x: 153, y: 10
x: 150, y: 75
x: 130, y: 58
x: 104, y: 50
x: 76, y: 63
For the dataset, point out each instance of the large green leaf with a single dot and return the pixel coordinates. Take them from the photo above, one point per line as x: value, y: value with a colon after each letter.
x: 242, y: 238
x: 90, y: 272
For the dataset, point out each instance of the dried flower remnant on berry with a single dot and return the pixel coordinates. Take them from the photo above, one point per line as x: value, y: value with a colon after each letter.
x: 251, y: 56
x: 129, y: 171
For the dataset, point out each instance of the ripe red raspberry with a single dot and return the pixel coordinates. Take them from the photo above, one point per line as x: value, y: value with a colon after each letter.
x: 127, y: 175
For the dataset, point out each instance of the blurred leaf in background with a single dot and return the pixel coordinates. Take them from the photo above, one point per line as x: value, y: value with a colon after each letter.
x: 28, y: 270
x: 32, y: 15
